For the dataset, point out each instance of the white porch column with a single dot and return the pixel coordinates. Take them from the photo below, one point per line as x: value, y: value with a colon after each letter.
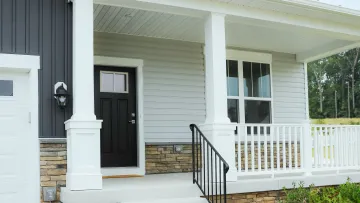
x: 83, y: 130
x: 217, y: 127
x: 308, y: 140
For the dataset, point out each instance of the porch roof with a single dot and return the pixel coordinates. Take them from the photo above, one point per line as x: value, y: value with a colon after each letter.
x: 308, y: 30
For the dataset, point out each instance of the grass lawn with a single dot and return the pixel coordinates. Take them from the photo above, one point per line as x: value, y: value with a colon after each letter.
x: 341, y: 121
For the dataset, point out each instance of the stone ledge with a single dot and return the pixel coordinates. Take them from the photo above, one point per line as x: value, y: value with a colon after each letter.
x: 52, y: 140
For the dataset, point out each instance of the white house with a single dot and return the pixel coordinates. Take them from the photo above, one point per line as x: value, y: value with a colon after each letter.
x: 139, y: 72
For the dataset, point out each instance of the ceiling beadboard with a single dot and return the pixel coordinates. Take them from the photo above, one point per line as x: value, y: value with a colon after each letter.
x: 130, y: 21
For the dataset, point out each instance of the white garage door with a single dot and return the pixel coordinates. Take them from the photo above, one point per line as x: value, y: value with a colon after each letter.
x: 15, y: 158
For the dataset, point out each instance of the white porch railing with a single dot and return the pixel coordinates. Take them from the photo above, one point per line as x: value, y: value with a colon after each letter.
x: 336, y: 147
x: 271, y: 149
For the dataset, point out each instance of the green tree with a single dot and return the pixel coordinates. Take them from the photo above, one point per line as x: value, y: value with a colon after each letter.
x: 339, y: 73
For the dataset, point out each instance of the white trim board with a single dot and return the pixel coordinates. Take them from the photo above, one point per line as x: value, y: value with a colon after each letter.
x: 30, y: 64
x: 15, y: 61
x: 250, y: 56
x: 138, y: 64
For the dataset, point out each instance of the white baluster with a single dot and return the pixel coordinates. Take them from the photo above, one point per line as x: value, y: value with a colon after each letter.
x: 357, y: 145
x: 239, y: 147
x: 296, y: 146
x: 321, y: 147
x: 246, y: 151
x: 301, y: 136
x: 326, y: 146
x: 352, y: 148
x: 252, y: 149
x: 342, y: 152
x: 278, y: 147
x: 332, y: 147
x: 265, y: 148
x: 284, y: 147
x: 290, y: 147
x: 316, y: 147
x: 337, y: 146
x: 272, y: 148
x: 347, y: 146
x: 259, y: 146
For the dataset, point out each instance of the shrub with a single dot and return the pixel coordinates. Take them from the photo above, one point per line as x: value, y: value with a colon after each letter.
x: 346, y: 193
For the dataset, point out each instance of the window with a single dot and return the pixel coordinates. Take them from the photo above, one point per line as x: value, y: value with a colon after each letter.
x: 6, y: 88
x: 257, y: 94
x: 113, y: 82
x: 249, y: 91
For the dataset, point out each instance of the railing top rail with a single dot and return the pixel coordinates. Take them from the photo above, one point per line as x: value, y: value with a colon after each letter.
x: 192, y: 127
x: 266, y: 125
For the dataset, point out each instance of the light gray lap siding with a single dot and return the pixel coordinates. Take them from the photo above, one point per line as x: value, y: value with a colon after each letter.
x: 289, y: 89
x: 174, y: 82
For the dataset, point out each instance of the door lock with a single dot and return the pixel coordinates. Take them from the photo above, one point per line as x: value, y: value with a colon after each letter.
x: 132, y: 121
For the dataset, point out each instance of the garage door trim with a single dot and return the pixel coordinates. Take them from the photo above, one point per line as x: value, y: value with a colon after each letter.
x: 29, y: 64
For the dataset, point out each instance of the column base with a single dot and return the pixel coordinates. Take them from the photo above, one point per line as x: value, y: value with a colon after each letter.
x: 83, y: 181
x: 222, y: 136
x: 83, y: 155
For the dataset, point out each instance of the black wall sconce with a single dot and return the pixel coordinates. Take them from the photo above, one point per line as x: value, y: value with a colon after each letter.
x: 61, y: 94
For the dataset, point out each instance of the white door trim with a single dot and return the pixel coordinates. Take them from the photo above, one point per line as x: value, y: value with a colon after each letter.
x: 138, y: 64
x: 30, y: 65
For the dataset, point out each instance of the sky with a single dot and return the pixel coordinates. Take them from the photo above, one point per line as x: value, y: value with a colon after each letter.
x: 352, y: 4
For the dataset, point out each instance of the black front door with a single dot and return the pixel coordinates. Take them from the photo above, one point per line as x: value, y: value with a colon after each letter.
x: 115, y: 104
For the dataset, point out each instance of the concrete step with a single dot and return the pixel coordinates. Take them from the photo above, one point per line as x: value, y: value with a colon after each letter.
x: 141, y: 193
x: 173, y: 200
x: 146, y: 189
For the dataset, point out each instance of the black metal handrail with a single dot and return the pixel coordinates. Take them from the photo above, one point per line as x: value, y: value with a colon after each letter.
x: 209, y: 167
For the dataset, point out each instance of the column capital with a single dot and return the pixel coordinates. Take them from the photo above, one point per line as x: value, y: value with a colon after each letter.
x: 217, y: 14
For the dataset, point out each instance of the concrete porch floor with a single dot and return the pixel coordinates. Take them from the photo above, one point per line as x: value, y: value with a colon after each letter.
x: 176, y: 187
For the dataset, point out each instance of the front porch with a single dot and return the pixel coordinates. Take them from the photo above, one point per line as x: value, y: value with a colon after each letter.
x: 225, y: 72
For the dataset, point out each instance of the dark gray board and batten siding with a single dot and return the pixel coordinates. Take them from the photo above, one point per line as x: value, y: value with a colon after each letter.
x: 44, y: 28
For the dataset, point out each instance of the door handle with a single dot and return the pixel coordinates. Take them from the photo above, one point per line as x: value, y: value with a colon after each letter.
x: 132, y: 121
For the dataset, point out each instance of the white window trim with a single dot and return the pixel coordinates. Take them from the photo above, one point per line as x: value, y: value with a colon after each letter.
x: 138, y: 65
x: 255, y: 57
x: 119, y: 73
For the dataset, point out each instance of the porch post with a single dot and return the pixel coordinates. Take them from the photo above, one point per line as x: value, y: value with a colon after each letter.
x: 308, y: 140
x: 217, y: 127
x: 83, y: 130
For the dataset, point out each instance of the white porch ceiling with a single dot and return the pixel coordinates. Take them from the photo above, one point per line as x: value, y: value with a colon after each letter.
x: 147, y: 23
x: 250, y: 34
x: 284, y: 6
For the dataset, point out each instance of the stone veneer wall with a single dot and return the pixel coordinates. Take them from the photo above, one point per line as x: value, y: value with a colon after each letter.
x: 262, y: 155
x: 165, y: 159
x: 265, y: 197
x: 52, y: 167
